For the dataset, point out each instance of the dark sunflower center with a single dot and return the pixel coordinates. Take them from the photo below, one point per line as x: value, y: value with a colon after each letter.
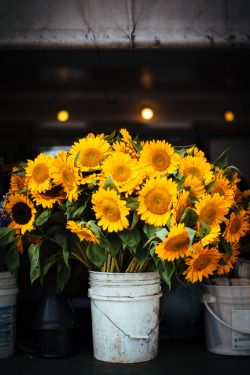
x: 21, y: 213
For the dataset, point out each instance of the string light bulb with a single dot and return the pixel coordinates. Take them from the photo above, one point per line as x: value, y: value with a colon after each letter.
x: 63, y: 116
x: 229, y: 116
x: 147, y: 113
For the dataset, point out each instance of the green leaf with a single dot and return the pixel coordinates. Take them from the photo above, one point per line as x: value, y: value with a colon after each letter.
x: 96, y: 254
x: 177, y: 174
x: 166, y: 270
x: 112, y: 243
x: 151, y: 230
x: 136, y: 145
x: 132, y: 203
x: 181, y: 182
x: 109, y: 183
x: 210, y: 186
x: 12, y: 258
x: 192, y: 198
x: 190, y: 217
x: 110, y: 137
x: 52, y: 229
x: 162, y: 234
x: 130, y: 238
x: 63, y: 273
x: 23, y: 191
x: 50, y: 261
x: 221, y: 162
x: 61, y: 238
x: 58, y: 217
x: 34, y: 257
x: 76, y: 158
x: 7, y: 235
x: 43, y: 217
x: 134, y: 221
x: 227, y: 247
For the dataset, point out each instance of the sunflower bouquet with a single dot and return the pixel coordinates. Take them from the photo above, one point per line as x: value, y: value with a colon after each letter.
x: 117, y: 204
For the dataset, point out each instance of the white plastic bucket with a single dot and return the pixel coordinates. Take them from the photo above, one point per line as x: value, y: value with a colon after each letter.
x: 8, y: 297
x: 227, y: 319
x: 125, y: 316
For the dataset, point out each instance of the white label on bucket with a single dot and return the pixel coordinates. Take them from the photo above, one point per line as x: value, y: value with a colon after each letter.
x: 241, y: 322
x: 7, y: 325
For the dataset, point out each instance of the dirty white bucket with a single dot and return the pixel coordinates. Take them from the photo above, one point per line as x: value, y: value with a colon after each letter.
x: 8, y: 297
x: 227, y: 319
x: 125, y: 316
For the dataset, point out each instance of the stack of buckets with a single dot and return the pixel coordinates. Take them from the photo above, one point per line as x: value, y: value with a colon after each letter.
x: 8, y: 297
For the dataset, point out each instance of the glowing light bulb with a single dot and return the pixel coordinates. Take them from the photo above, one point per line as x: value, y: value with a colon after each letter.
x: 229, y: 116
x: 147, y: 113
x: 63, y: 116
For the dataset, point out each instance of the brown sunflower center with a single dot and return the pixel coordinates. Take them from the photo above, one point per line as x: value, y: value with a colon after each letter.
x: 201, y: 262
x: 40, y: 173
x: 121, y: 173
x: 194, y: 172
x: 90, y: 157
x: 160, y: 160
x: 110, y: 210
x: 178, y: 243
x: 208, y: 214
x: 21, y: 213
x: 68, y: 177
x: 157, y: 201
x: 235, y: 226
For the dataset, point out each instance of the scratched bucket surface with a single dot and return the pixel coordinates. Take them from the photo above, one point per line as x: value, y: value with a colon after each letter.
x: 125, y: 316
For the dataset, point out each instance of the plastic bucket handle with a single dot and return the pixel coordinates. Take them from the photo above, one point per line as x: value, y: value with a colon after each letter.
x: 208, y: 298
x: 132, y: 337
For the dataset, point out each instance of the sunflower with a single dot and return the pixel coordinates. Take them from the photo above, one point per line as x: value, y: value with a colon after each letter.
x: 17, y: 183
x: 194, y: 151
x: 222, y: 186
x: 175, y: 245
x: 64, y: 173
x: 158, y: 158
x: 49, y: 197
x: 196, y: 167
x: 110, y: 209
x: 180, y: 206
x: 19, y: 243
x: 126, y: 137
x: 236, y: 227
x: 201, y: 262
x: 156, y: 199
x: 89, y: 151
x: 38, y: 173
x: 229, y: 260
x: 195, y: 186
x: 212, y: 209
x: 211, y: 236
x: 124, y: 171
x: 82, y: 232
x: 22, y: 211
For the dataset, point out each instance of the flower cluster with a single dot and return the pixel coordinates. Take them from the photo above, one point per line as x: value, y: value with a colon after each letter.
x: 117, y: 204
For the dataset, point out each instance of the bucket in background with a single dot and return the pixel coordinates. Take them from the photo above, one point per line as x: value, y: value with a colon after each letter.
x: 227, y: 319
x: 8, y: 297
x: 125, y: 316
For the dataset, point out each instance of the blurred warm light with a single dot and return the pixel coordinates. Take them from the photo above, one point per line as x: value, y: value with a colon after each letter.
x: 63, y: 116
x: 229, y: 116
x: 147, y: 113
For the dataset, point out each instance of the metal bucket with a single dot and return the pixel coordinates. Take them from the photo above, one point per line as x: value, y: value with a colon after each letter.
x: 8, y: 297
x: 227, y: 319
x: 125, y: 316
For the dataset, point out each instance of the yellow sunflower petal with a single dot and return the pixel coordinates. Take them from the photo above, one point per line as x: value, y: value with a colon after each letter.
x: 38, y: 173
x: 82, y: 232
x: 110, y: 210
x: 156, y: 199
x: 158, y: 158
x: 22, y: 211
x: 175, y: 245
